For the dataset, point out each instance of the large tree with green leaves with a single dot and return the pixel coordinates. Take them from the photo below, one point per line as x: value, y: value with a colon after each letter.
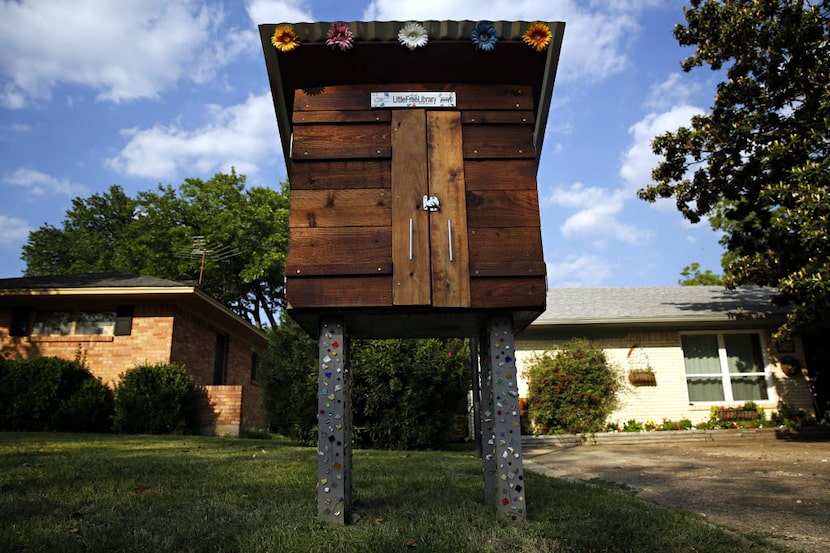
x: 757, y: 162
x: 693, y: 276
x: 155, y: 234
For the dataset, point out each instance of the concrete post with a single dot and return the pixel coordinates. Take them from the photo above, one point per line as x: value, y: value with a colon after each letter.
x: 509, y: 475
x: 334, y: 466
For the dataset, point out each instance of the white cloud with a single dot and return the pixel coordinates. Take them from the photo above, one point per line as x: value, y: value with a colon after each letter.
x: 242, y: 136
x: 595, y: 36
x: 676, y: 89
x: 41, y: 184
x: 639, y: 160
x: 13, y: 230
x: 278, y: 11
x: 579, y: 271
x: 125, y: 50
x: 596, y: 214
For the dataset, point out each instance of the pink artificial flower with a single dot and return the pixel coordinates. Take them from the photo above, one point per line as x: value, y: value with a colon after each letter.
x: 340, y: 35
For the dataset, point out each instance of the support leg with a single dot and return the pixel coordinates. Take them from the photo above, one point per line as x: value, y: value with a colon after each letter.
x: 509, y: 481
x: 487, y: 438
x: 334, y: 443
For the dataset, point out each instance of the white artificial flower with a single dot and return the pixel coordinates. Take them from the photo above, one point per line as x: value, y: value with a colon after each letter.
x: 413, y: 35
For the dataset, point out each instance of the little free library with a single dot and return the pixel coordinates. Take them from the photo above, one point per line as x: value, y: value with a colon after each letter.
x: 412, y: 151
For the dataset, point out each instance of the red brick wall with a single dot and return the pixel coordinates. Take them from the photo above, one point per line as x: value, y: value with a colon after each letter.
x: 220, y: 410
x: 106, y: 356
x: 194, y: 344
x: 155, y: 338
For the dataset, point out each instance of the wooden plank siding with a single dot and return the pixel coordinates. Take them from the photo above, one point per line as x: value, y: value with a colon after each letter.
x: 359, y: 237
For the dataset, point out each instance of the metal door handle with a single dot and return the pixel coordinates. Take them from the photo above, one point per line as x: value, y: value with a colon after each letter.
x: 410, y: 238
x: 449, y: 235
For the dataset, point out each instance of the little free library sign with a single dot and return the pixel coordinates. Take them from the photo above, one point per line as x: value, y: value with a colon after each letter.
x: 413, y: 99
x: 412, y: 151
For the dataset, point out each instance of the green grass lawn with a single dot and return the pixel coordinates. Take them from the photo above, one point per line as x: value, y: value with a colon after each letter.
x: 66, y: 492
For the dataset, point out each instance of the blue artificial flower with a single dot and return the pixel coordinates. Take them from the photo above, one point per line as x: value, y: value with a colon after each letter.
x: 484, y: 36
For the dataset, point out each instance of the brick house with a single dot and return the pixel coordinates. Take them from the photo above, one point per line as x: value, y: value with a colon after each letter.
x: 116, y: 321
x: 705, y: 345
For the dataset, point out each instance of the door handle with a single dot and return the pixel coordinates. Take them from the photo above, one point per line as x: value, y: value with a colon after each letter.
x: 449, y: 236
x: 410, y: 238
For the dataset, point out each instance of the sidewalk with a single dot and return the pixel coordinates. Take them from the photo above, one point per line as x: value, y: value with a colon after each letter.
x: 767, y: 482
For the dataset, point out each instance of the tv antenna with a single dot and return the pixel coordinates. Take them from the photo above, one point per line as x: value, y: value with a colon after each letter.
x: 200, y: 249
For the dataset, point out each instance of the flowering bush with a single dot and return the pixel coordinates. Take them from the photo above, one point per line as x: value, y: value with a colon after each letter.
x: 573, y: 389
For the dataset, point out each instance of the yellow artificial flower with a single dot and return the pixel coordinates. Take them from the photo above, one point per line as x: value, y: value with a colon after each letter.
x: 285, y: 38
x: 538, y: 36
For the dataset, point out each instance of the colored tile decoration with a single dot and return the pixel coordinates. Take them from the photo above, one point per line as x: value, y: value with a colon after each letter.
x: 506, y: 437
x: 334, y: 454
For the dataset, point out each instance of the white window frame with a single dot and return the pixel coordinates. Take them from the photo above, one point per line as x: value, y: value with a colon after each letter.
x: 726, y: 382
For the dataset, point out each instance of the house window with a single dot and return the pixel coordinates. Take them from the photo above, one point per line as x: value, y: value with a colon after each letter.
x: 71, y: 323
x: 254, y: 365
x: 724, y: 367
x: 220, y: 357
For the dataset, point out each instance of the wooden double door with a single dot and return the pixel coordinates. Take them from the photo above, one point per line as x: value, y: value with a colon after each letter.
x: 430, y: 257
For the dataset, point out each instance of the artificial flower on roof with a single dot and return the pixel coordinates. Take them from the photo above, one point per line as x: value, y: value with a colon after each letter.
x: 413, y: 35
x: 537, y: 36
x: 285, y: 38
x: 484, y: 36
x: 340, y: 36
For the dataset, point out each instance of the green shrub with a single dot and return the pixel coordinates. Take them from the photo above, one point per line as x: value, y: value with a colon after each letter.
x: 409, y: 394
x: 288, y: 371
x: 405, y: 393
x: 573, y: 389
x: 89, y: 409
x: 156, y: 399
x: 40, y: 394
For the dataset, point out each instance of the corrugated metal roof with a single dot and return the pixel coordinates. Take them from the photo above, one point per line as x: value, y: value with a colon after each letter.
x: 388, y: 30
x: 657, y: 304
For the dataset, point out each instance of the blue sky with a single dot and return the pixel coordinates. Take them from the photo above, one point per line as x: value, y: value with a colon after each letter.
x: 142, y: 92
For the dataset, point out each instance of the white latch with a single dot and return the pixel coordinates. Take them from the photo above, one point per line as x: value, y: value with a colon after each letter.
x: 431, y: 203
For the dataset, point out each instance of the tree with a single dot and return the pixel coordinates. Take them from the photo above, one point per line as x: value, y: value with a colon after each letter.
x: 693, y: 277
x: 759, y: 160
x: 152, y: 234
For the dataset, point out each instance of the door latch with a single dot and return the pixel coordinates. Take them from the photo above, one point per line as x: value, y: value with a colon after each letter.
x: 431, y: 203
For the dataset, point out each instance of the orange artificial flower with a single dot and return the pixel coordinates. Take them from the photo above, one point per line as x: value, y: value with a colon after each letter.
x: 538, y: 36
x: 285, y: 38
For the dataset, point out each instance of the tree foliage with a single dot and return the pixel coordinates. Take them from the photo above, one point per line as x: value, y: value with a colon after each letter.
x: 153, y: 234
x: 406, y: 394
x: 758, y: 160
x: 692, y: 276
x: 572, y: 389
x: 289, y: 377
x: 409, y: 394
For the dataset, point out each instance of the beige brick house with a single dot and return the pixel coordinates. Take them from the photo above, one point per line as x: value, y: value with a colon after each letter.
x: 116, y: 321
x: 706, y: 346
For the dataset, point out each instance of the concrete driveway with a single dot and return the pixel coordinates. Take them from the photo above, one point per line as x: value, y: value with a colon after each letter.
x: 765, y: 482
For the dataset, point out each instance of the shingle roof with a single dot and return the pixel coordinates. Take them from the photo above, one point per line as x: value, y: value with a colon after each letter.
x: 89, y: 280
x: 657, y: 304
